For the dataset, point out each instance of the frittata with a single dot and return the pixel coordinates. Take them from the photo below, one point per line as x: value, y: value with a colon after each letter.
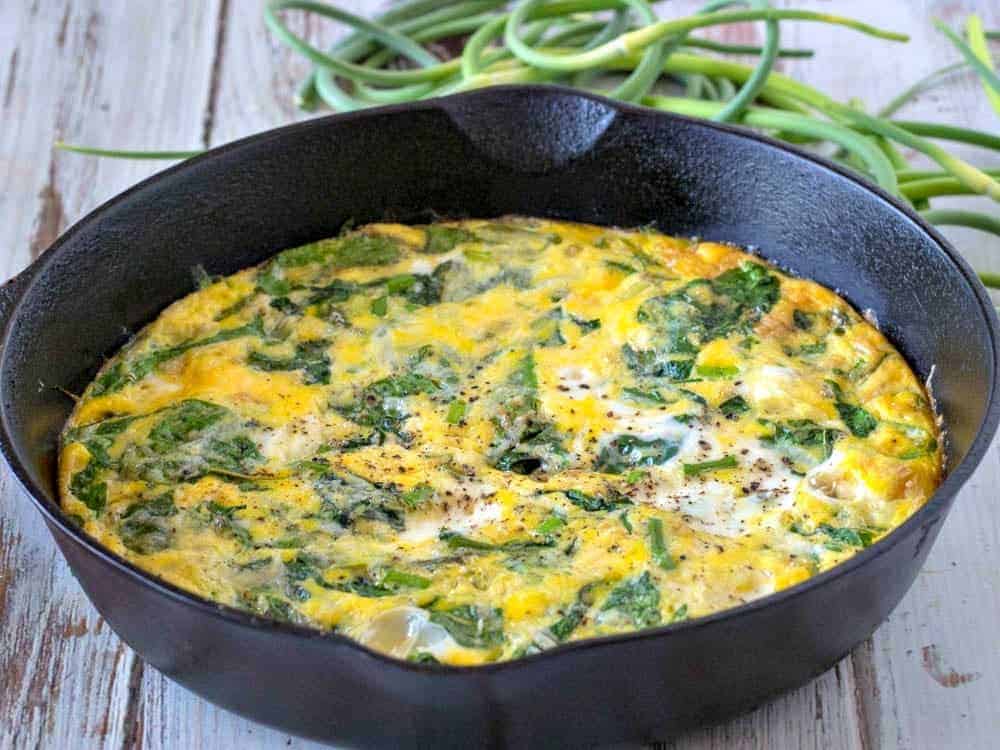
x: 474, y: 440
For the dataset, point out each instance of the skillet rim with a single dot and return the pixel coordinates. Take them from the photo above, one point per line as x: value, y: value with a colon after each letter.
x: 928, y: 515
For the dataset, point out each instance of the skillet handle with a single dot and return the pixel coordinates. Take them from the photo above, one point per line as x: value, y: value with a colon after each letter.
x: 10, y: 295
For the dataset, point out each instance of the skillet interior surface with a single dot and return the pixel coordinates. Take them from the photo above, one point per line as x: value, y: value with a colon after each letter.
x: 534, y: 151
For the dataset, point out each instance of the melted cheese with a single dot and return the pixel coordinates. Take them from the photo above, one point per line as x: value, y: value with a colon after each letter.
x: 475, y: 440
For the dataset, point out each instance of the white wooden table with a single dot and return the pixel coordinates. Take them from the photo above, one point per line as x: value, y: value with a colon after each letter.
x: 187, y: 74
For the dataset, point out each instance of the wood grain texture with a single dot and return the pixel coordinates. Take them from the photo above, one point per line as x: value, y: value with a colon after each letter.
x: 105, y: 73
x: 185, y: 74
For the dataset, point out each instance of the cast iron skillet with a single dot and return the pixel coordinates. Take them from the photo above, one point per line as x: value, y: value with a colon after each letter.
x: 537, y: 151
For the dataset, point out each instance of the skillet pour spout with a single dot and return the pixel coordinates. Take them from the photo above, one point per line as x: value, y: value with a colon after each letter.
x: 544, y: 151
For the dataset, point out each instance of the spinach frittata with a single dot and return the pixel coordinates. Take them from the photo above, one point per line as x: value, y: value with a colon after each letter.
x: 475, y: 440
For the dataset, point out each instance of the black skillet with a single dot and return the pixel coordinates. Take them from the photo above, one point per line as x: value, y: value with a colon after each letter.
x: 541, y: 151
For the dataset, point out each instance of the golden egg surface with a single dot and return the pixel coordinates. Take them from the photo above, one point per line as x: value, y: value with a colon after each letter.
x: 470, y: 441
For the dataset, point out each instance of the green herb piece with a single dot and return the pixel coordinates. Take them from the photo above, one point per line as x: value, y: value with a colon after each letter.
x: 638, y: 599
x: 343, y: 252
x: 380, y: 306
x: 625, y: 522
x: 726, y: 462
x: 634, y: 476
x: 310, y: 356
x: 626, y: 452
x: 717, y: 372
x: 472, y: 626
x: 734, y: 407
x: 400, y: 579
x: 657, y: 546
x: 681, y: 613
x: 551, y: 524
x: 596, y: 504
x: 456, y: 411
x: 418, y: 495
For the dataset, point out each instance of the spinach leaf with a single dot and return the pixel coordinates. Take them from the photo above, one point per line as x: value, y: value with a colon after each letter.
x: 343, y: 252
x: 223, y: 519
x: 235, y: 455
x: 546, y: 329
x: 803, y: 320
x: 734, y: 407
x: 802, y: 440
x: 523, y: 442
x: 650, y: 363
x: 349, y: 499
x: 271, y: 280
x: 703, y: 310
x: 285, y: 305
x: 298, y: 569
x: 538, y: 446
x: 142, y: 529
x: 337, y: 290
x: 638, y: 599
x: 442, y: 239
x: 626, y: 452
x: 858, y: 420
x: 839, y: 537
x: 310, y: 356
x: 267, y: 604
x: 127, y: 371
x: 182, y: 423
x: 378, y: 406
x: 88, y: 488
x: 471, y: 626
x: 191, y: 439
x: 586, y: 326
x: 455, y: 540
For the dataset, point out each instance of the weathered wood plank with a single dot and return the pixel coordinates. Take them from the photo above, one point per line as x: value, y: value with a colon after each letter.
x: 101, y: 73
